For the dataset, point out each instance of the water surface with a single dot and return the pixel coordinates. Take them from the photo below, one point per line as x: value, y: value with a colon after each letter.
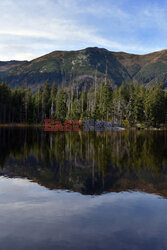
x: 83, y: 190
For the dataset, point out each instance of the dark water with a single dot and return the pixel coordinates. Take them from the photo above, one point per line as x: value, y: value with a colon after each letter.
x: 83, y: 190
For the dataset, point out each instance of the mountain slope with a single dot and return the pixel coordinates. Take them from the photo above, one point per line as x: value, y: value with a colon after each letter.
x: 81, y: 66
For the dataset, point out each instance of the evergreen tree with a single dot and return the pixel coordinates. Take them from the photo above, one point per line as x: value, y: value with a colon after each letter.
x: 61, y: 105
x: 131, y: 103
x: 53, y: 100
x: 46, y: 101
x: 139, y: 96
x: 106, y: 104
x: 155, y: 108
x: 38, y: 105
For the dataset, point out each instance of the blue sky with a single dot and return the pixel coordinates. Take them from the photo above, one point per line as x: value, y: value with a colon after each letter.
x: 31, y: 28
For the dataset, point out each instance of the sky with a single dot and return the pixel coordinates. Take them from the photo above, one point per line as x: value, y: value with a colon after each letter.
x: 31, y: 28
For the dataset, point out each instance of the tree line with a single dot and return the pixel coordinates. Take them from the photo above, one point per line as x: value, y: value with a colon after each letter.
x: 131, y: 103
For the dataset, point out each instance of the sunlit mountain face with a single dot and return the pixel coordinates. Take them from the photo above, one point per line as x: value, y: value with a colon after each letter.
x: 79, y: 68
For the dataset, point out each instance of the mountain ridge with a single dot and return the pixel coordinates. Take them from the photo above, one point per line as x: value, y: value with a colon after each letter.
x: 81, y: 66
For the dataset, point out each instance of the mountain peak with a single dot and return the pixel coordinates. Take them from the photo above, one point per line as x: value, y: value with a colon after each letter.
x: 81, y: 65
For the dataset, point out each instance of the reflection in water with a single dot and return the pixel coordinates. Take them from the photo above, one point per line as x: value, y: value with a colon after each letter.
x: 89, y: 163
x: 33, y: 217
x: 123, y: 176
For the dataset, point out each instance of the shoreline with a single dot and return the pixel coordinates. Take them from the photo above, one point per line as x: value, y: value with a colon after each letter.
x: 21, y: 125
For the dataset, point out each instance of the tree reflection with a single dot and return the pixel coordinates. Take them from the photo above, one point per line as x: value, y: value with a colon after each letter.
x: 87, y: 162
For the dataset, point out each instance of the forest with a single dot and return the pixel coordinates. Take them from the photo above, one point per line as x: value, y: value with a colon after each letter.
x: 133, y: 104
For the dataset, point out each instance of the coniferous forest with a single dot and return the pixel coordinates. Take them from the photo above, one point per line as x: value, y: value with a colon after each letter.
x: 131, y: 103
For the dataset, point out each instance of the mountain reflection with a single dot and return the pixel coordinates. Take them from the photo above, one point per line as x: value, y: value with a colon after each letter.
x: 89, y: 163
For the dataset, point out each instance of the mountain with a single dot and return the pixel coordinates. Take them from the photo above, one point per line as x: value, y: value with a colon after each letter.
x: 81, y: 67
x: 6, y: 66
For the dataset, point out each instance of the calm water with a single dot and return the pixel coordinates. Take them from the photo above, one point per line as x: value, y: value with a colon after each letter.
x: 83, y: 190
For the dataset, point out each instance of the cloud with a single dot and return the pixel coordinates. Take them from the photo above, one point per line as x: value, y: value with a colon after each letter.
x: 32, y: 28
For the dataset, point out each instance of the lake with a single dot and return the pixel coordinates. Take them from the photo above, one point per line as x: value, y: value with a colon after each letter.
x: 83, y: 190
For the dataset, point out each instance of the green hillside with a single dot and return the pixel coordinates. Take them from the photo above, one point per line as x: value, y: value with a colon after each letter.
x: 80, y: 67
